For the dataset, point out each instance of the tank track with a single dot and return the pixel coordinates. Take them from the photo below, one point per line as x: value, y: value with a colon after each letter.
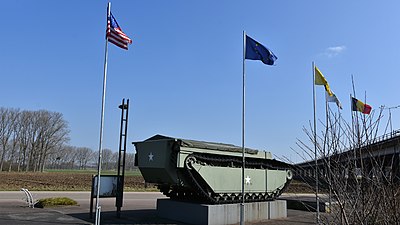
x: 203, y: 193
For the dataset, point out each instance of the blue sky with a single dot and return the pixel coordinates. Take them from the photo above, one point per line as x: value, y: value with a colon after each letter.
x: 183, y: 72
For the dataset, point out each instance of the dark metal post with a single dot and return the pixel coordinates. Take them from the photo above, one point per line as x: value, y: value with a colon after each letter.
x: 121, y: 155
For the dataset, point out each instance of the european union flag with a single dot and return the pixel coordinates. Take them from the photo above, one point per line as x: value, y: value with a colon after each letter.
x: 257, y: 51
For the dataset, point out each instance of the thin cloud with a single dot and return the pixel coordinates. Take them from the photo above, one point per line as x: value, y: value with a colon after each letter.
x: 335, y: 51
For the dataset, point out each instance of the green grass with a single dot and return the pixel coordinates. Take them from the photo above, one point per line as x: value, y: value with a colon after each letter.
x: 141, y: 189
x: 52, y: 202
x: 91, y: 171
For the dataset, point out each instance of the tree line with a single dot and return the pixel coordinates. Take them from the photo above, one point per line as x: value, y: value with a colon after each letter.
x: 82, y: 158
x: 36, y: 140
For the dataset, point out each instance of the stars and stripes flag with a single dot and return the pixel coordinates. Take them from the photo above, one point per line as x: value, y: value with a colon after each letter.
x: 115, y: 34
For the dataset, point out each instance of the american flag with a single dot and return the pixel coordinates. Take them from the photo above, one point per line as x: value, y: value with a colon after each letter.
x: 115, y: 34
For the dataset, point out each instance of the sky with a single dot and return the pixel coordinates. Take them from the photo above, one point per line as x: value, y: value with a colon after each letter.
x: 183, y: 71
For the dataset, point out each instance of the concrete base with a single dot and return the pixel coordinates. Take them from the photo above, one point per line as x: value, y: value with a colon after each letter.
x: 307, y: 202
x: 203, y: 214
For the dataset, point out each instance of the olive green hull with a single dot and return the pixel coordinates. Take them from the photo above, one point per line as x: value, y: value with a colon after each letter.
x: 182, y: 167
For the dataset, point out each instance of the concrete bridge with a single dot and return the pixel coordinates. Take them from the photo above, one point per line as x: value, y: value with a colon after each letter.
x: 376, y: 158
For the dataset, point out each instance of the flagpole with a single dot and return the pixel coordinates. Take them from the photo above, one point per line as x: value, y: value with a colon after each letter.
x: 326, y: 128
x: 315, y: 146
x: 327, y: 153
x: 357, y: 127
x: 243, y: 125
x: 103, y: 102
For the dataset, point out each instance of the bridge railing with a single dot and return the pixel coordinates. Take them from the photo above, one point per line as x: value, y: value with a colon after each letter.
x: 384, y: 137
x: 381, y: 138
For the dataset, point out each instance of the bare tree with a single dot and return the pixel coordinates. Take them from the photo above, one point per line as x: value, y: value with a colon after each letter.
x: 130, y: 161
x: 32, y: 140
x: 352, y: 171
x: 70, y: 157
x: 67, y: 157
x: 23, y: 137
x: 4, y: 124
x: 14, y: 139
x: 52, y: 135
x: 31, y: 134
x: 33, y: 129
x: 8, y: 119
x: 84, y: 155
x: 108, y: 159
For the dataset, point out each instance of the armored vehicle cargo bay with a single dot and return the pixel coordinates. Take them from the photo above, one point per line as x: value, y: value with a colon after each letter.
x: 209, y: 172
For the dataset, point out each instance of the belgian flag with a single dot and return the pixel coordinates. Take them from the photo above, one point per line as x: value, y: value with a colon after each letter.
x: 357, y: 105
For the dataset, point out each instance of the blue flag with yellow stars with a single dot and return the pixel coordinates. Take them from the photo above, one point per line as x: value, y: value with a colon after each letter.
x: 257, y: 51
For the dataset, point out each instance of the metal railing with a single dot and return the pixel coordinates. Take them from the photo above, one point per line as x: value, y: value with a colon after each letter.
x: 384, y: 137
x: 29, y: 198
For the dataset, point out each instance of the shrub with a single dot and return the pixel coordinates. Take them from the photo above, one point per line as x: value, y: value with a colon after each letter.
x: 58, y: 201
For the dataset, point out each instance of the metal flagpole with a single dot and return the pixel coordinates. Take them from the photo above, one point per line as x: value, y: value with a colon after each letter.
x: 243, y: 113
x: 103, y: 101
x: 327, y: 152
x: 315, y: 146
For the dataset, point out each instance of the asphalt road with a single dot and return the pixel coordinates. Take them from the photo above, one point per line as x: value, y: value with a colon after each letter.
x: 138, y: 208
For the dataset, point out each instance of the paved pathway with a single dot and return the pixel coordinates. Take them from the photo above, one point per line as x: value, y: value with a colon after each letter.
x: 138, y: 208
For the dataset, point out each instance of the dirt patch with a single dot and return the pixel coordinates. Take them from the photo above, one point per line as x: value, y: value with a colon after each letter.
x: 64, y: 181
x: 57, y: 181
x: 299, y: 187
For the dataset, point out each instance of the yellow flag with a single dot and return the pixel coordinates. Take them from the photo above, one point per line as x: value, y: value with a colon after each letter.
x: 320, y: 80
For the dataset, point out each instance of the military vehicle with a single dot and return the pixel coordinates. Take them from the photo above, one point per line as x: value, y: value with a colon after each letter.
x: 210, y: 172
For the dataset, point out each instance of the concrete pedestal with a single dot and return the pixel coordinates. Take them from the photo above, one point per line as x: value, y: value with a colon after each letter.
x: 203, y: 214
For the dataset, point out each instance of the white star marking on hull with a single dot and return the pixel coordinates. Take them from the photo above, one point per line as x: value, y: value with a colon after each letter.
x: 151, y: 156
x: 247, y: 180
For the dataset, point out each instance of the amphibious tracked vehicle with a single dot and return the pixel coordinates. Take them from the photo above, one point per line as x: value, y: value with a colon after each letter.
x: 210, y: 172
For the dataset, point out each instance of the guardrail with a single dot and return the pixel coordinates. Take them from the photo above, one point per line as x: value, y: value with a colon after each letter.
x: 384, y: 137
x: 388, y: 136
